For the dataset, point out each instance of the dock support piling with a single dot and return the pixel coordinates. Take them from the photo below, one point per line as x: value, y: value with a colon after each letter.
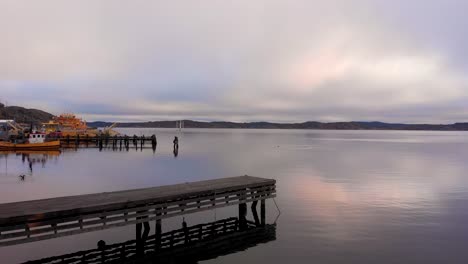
x: 262, y: 212
x: 255, y: 213
x: 139, y: 242
x: 242, y: 216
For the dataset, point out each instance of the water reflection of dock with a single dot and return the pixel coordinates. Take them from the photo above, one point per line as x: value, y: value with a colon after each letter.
x: 33, y: 157
x: 185, y: 245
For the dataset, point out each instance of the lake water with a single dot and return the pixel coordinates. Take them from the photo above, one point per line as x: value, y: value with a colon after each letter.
x: 344, y: 196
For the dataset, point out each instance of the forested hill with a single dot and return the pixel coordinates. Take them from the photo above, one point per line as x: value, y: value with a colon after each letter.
x: 304, y: 125
x: 24, y: 115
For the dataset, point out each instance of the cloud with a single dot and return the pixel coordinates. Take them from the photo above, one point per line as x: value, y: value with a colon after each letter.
x: 246, y: 60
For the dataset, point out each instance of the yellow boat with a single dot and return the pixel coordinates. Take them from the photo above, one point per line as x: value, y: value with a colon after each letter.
x: 52, y: 145
x: 52, y: 152
x: 36, y: 141
x: 69, y: 125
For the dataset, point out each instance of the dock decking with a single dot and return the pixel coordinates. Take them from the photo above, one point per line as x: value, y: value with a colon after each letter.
x: 28, y: 221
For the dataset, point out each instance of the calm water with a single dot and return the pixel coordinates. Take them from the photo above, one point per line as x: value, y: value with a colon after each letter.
x: 345, y: 196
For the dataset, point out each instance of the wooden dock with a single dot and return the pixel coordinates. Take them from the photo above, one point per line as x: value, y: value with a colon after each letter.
x: 124, y: 140
x: 28, y: 221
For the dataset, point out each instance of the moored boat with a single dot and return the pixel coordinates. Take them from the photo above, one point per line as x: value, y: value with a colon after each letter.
x: 36, y: 141
x: 68, y: 125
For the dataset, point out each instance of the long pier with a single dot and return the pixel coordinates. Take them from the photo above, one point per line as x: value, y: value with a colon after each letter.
x: 105, y: 140
x: 23, y: 222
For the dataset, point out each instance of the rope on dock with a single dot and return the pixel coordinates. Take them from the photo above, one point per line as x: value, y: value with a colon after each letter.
x: 279, y: 211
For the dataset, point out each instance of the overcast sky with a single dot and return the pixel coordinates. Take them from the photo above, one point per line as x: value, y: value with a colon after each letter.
x: 242, y: 60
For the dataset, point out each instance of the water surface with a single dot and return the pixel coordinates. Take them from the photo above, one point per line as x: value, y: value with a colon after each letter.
x: 345, y: 196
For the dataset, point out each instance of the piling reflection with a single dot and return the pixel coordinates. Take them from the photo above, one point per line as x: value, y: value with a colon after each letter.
x: 189, y: 244
x: 33, y: 158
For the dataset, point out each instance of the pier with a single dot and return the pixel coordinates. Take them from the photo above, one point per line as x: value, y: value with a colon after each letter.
x: 106, y: 140
x: 28, y: 221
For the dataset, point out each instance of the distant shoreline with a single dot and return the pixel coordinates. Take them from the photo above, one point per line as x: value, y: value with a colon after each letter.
x: 37, y: 117
x: 312, y: 125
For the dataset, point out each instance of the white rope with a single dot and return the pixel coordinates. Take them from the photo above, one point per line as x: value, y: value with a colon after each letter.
x: 279, y: 211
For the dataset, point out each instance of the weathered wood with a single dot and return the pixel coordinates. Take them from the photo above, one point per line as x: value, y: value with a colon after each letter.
x: 34, y: 220
x: 167, y: 208
x: 58, y: 229
x: 72, y: 205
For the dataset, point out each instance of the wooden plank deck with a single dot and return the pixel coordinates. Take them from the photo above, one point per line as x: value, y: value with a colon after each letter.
x: 27, y: 221
x: 71, y: 205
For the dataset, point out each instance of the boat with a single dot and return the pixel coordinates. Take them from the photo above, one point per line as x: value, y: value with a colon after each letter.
x: 35, y: 141
x: 69, y: 125
x: 52, y: 152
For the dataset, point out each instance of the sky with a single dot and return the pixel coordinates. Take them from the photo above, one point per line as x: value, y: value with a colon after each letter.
x: 243, y: 60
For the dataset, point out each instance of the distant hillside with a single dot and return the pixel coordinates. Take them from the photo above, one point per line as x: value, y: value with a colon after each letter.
x: 35, y: 116
x: 24, y: 115
x: 304, y: 125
